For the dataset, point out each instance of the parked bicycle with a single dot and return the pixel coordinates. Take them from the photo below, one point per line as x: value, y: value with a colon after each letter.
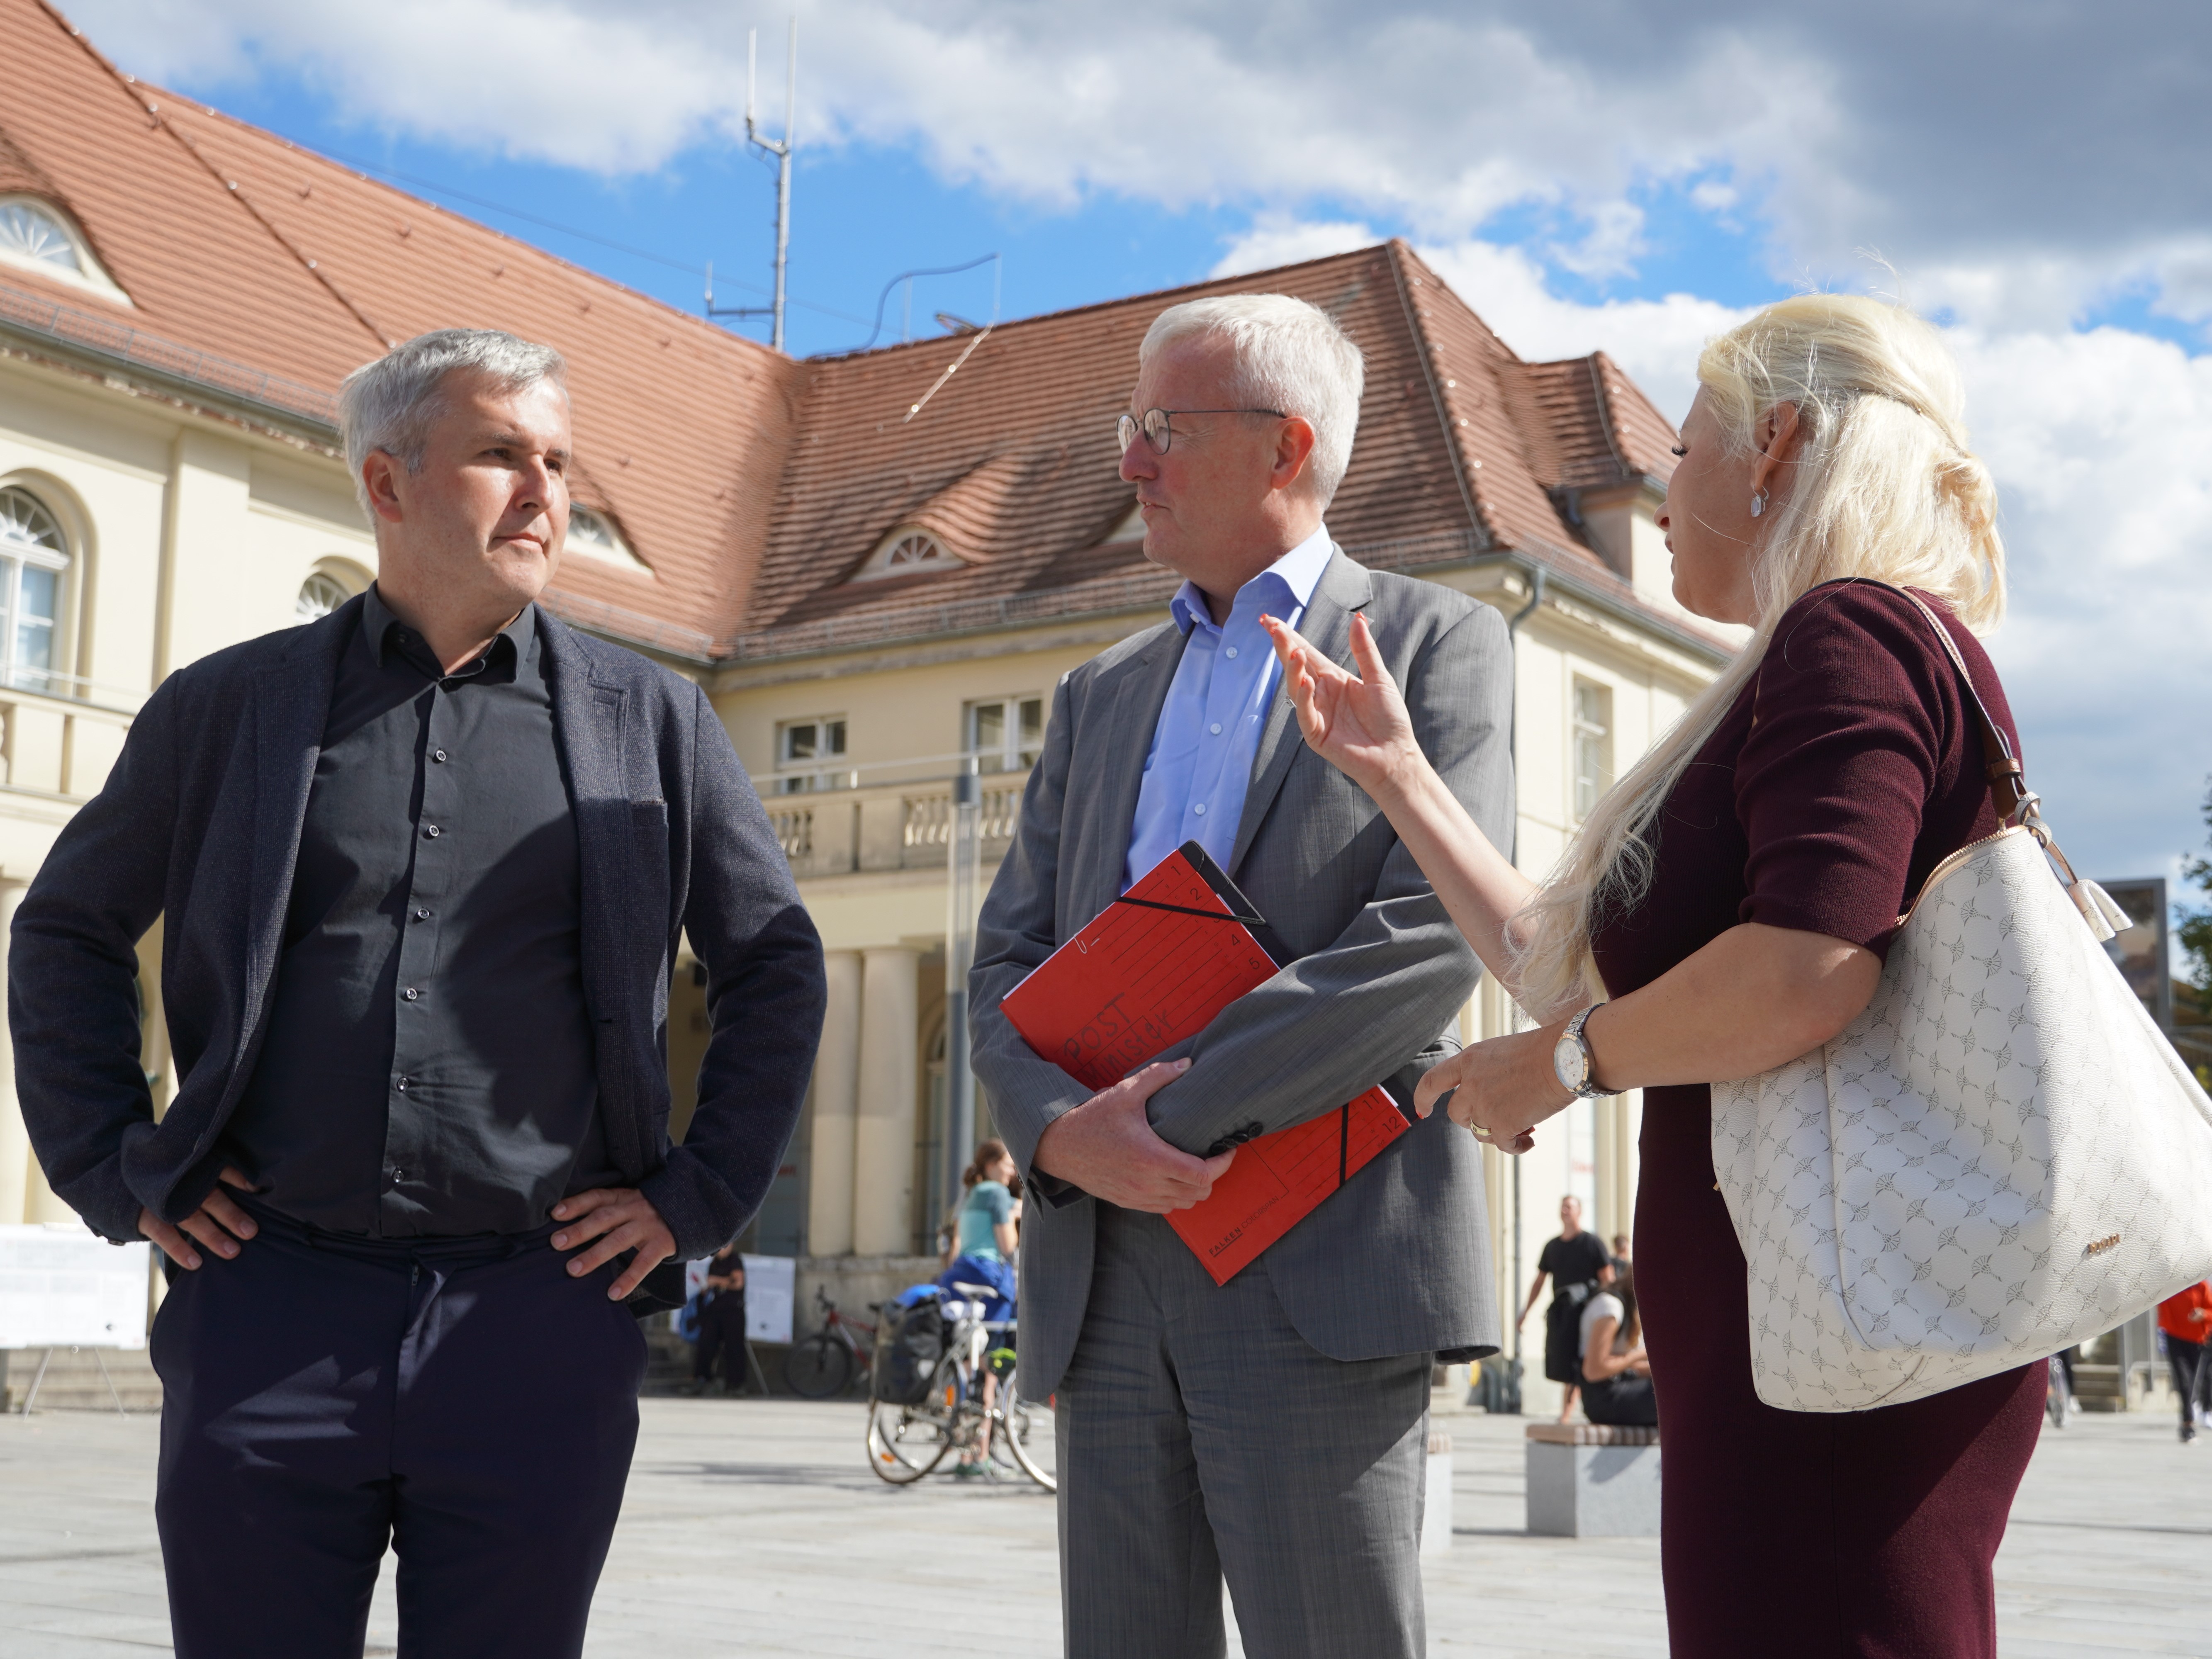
x: 825, y: 1363
x: 908, y: 1439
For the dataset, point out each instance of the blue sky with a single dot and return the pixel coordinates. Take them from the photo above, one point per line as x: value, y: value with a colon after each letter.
x: 863, y: 213
x: 1586, y: 176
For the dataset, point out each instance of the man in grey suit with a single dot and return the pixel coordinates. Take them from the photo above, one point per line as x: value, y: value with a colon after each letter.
x: 1271, y: 1430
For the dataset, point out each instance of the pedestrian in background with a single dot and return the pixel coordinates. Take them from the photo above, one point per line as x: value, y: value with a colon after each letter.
x: 1576, y: 1264
x: 1734, y: 895
x: 2185, y: 1317
x: 722, y: 1324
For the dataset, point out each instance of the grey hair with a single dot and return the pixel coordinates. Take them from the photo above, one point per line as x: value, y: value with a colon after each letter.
x: 390, y: 404
x: 1288, y: 355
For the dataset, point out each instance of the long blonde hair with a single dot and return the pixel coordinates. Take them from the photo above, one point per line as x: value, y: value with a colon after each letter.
x: 1885, y: 487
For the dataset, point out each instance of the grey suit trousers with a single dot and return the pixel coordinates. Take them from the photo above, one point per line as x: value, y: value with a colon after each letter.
x: 1200, y: 1437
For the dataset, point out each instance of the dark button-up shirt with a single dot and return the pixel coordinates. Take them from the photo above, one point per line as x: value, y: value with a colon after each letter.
x: 428, y: 1068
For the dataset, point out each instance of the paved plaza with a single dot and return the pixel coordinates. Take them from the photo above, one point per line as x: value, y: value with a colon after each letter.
x: 754, y: 1527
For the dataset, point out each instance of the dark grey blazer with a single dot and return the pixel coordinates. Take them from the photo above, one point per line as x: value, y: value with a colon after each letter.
x: 200, y: 823
x: 1396, y: 1262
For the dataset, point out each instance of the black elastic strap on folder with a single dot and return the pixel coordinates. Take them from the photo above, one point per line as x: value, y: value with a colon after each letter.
x: 1187, y: 910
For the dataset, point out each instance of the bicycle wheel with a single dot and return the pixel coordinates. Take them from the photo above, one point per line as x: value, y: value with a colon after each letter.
x: 1021, y: 1424
x: 907, y: 1442
x: 818, y: 1368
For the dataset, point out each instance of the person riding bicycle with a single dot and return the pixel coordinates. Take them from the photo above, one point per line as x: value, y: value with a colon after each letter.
x: 984, y: 1233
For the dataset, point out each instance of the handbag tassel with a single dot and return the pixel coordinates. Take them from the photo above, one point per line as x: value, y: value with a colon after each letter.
x: 2106, y: 919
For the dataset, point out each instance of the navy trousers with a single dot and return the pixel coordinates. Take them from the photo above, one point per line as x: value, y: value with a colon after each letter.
x: 464, y: 1400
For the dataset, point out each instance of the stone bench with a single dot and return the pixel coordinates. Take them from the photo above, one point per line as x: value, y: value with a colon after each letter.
x: 1588, y: 1480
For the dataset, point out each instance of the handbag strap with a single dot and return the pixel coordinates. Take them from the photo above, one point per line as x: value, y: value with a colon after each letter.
x: 2007, y: 777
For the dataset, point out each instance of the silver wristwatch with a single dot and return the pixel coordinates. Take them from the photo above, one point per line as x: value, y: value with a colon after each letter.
x: 1571, y: 1059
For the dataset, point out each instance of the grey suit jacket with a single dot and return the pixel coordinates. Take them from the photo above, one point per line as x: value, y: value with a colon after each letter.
x: 1396, y: 1262
x: 200, y: 821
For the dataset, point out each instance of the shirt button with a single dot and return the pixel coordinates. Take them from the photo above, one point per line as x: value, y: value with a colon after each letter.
x: 398, y: 1176
x: 421, y: 916
x: 1215, y: 728
x: 438, y: 755
x: 1232, y: 653
x: 403, y: 1085
x: 410, y: 994
x: 1199, y: 809
x: 431, y: 831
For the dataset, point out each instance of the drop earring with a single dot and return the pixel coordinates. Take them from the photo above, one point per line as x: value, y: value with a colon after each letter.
x: 1758, y: 502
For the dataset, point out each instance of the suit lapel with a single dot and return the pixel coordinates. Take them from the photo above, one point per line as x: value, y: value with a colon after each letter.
x: 291, y: 701
x: 1135, y: 691
x: 588, y: 720
x: 1326, y: 624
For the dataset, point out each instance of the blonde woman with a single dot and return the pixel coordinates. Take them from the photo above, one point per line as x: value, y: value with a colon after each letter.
x: 1725, y: 909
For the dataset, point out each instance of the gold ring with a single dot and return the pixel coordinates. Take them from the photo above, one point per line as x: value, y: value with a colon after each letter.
x: 1483, y: 1135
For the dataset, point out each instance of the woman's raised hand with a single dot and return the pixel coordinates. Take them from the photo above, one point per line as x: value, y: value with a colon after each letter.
x: 1356, y: 723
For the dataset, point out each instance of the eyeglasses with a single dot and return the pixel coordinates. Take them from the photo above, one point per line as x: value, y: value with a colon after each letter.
x: 1158, y: 435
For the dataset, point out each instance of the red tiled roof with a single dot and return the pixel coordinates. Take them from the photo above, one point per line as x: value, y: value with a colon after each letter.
x: 754, y: 486
x: 1013, y: 462
x: 231, y: 241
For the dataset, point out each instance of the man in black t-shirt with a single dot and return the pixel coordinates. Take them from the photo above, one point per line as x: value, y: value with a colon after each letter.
x: 1576, y: 1264
x: 722, y: 1324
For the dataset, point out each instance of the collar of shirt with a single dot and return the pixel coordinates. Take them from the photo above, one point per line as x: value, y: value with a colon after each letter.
x: 384, y: 634
x: 1282, y: 590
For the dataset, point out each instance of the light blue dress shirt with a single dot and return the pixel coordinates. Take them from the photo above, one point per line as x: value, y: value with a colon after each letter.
x: 1208, y: 735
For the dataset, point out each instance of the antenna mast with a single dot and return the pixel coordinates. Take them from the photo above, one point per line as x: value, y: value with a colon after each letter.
x: 781, y: 150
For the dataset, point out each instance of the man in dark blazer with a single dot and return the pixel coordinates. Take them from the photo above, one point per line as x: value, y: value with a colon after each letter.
x: 423, y: 865
x: 1270, y: 1431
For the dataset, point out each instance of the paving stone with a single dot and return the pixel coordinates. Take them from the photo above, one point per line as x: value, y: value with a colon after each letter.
x: 754, y: 1527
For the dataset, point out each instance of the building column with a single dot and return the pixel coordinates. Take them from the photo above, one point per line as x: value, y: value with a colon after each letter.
x: 837, y: 1102
x: 15, y: 1160
x: 883, y: 1141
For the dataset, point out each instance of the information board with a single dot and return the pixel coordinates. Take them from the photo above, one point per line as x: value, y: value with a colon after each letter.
x: 771, y: 1290
x: 63, y: 1286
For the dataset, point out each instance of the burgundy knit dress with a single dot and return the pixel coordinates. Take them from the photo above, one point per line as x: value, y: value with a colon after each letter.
x: 1846, y: 771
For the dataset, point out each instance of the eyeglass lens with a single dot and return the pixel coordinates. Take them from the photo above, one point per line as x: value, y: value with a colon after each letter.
x: 1155, y: 429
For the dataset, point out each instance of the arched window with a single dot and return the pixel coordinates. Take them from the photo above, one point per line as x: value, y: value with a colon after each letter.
x: 37, y: 236
x: 33, y: 555
x: 320, y: 595
x: 908, y: 553
x: 591, y: 532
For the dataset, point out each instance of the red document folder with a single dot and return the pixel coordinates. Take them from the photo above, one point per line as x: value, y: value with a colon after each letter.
x: 1153, y: 968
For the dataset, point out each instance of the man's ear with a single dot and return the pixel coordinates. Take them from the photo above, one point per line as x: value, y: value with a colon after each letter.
x: 380, y: 478
x: 1294, y: 447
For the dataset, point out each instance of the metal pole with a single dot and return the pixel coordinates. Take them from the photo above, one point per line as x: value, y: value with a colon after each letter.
x: 964, y: 880
x: 783, y: 181
x: 1512, y: 749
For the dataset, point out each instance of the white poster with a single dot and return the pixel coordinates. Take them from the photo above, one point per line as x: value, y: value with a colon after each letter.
x: 63, y: 1286
x: 771, y: 1289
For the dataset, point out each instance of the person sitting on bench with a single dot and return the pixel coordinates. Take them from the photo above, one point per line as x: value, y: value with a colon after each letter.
x: 1616, y: 1376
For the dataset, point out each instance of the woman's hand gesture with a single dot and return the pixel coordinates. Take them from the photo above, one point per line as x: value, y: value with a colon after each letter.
x: 1358, y: 723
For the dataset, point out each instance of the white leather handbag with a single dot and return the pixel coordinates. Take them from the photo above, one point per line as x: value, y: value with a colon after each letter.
x: 2001, y: 1156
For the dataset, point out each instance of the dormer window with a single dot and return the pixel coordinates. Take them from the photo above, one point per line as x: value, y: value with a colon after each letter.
x: 593, y: 532
x: 35, y: 236
x: 907, y: 552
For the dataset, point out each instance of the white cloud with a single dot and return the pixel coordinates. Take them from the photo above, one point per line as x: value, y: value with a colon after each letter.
x: 2025, y: 183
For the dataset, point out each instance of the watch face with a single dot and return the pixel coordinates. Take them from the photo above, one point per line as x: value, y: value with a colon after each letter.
x: 1567, y: 1061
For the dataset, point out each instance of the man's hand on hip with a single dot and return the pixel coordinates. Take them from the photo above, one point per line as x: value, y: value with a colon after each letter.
x: 1107, y: 1147
x: 218, y: 1223
x: 621, y: 1218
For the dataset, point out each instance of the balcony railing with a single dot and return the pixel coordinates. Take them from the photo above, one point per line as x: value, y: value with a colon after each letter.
x: 906, y: 824
x: 58, y: 745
